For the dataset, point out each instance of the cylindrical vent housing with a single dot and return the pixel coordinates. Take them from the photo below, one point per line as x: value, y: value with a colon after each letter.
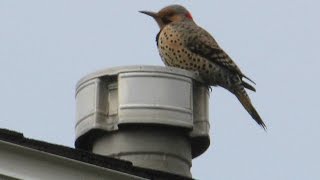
x: 155, y: 117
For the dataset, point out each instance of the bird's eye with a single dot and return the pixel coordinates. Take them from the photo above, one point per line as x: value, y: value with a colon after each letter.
x: 166, y: 20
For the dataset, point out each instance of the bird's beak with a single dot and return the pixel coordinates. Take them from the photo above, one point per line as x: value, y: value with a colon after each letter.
x: 155, y: 16
x: 149, y: 13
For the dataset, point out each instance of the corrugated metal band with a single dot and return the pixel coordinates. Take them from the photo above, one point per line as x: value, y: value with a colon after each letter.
x: 148, y: 106
x: 91, y: 114
x: 158, y: 74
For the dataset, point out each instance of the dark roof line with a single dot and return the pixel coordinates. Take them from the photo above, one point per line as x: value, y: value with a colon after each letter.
x: 86, y: 157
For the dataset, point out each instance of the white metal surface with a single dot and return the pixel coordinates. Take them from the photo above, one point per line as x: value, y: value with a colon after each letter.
x: 144, y: 95
x: 156, y: 148
x: 147, y: 94
x: 155, y: 98
x: 18, y: 162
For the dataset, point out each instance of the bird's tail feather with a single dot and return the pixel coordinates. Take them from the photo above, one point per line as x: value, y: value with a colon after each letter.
x: 248, y: 86
x: 246, y: 103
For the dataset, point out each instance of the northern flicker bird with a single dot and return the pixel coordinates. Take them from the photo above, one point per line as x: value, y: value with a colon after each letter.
x: 183, y: 44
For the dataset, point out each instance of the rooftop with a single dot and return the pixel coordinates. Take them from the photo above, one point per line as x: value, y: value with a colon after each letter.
x: 84, y: 156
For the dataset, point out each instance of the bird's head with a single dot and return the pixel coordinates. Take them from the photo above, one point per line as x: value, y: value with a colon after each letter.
x: 173, y: 13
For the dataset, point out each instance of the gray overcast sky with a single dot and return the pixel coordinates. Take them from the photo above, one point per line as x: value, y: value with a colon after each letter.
x: 47, y: 46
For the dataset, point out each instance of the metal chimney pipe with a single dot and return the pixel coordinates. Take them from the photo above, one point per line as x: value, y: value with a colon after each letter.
x: 155, y: 117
